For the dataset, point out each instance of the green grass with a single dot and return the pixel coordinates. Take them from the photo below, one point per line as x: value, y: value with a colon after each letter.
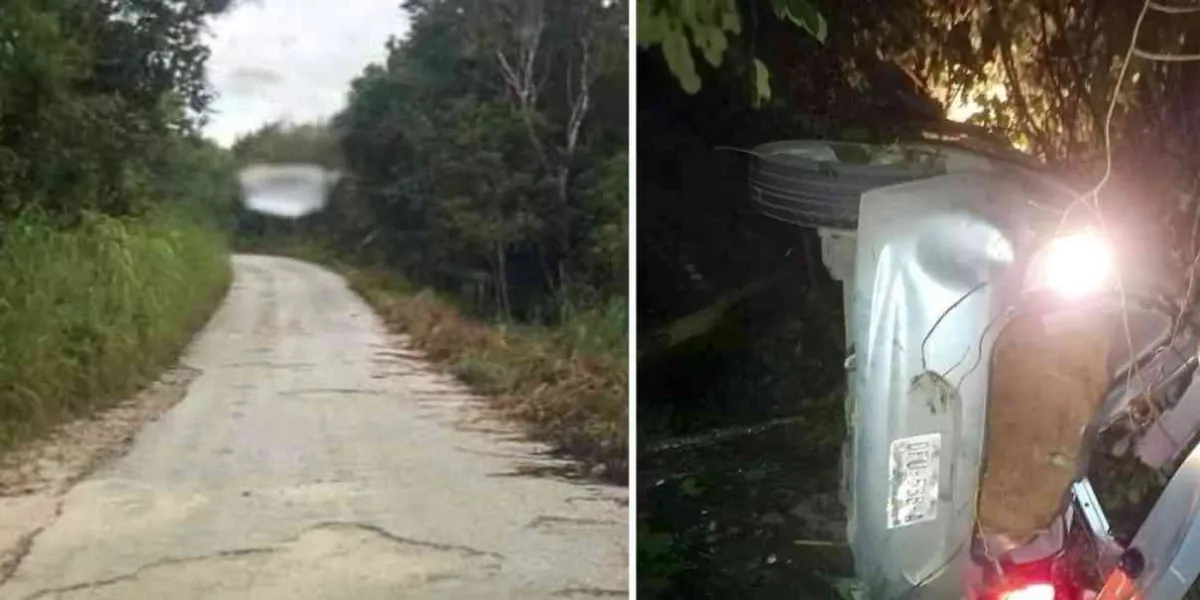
x: 89, y: 315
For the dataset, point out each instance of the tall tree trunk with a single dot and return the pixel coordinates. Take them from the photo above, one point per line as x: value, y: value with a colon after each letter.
x: 501, y: 262
x: 562, y: 227
x: 523, y: 73
x: 579, y: 97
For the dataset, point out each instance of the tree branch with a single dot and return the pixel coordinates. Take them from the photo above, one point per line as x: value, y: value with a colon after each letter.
x: 520, y: 75
x: 1010, y: 70
x: 582, y: 102
x: 1138, y: 52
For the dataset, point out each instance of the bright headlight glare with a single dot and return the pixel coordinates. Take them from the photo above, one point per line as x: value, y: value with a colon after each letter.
x: 1075, y: 265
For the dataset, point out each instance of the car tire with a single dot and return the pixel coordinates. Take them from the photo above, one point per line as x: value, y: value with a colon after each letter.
x: 805, y: 183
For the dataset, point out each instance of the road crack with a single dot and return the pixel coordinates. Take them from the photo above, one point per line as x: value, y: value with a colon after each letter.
x: 467, y: 550
x: 77, y: 449
x: 591, y: 592
x: 272, y: 549
x: 9, y: 565
x: 550, y: 521
x: 146, y: 567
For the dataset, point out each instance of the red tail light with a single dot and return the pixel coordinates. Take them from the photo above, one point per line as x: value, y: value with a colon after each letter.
x: 1119, y: 587
x: 1032, y: 591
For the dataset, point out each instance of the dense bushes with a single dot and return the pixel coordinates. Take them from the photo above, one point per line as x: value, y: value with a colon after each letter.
x: 110, y: 202
x: 89, y: 314
x: 92, y: 94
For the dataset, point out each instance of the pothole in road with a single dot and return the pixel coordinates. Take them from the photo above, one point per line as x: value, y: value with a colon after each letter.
x: 332, y: 560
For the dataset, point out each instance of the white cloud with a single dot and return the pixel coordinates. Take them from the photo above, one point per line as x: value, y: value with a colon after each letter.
x: 292, y: 59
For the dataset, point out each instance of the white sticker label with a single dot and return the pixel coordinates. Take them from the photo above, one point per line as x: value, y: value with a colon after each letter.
x: 913, y: 480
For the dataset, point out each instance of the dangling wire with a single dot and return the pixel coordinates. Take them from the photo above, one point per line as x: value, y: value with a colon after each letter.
x: 1172, y: 10
x: 1155, y: 56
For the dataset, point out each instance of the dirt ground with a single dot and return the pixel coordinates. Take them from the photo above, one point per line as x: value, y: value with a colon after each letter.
x: 34, y: 476
x: 739, y: 438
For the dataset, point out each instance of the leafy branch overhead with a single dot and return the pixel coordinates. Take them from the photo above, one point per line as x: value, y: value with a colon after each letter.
x: 678, y: 27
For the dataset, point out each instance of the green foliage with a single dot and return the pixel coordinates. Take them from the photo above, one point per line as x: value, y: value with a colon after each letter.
x: 503, y: 185
x: 762, y: 83
x: 109, y: 202
x: 659, y: 562
x: 280, y: 143
x: 603, y: 217
x: 90, y: 314
x: 92, y: 95
x: 802, y: 14
x: 679, y: 26
x: 482, y: 172
x: 194, y: 183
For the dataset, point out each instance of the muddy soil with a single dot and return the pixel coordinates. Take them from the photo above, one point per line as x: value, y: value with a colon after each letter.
x: 1049, y: 375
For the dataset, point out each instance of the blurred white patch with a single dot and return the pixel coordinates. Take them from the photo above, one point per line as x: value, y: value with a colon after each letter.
x: 289, y: 191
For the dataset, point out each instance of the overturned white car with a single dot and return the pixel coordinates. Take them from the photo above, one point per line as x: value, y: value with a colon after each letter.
x: 993, y: 351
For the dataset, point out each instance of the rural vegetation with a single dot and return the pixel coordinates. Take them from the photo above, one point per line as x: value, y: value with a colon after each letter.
x: 482, y: 204
x: 740, y: 378
x: 483, y: 159
x: 111, y: 205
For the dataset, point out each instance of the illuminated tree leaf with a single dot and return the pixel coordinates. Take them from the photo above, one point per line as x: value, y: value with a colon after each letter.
x: 712, y: 43
x: 678, y: 26
x: 762, y: 83
x: 650, y: 26
x: 731, y: 20
x: 803, y: 14
x: 678, y: 53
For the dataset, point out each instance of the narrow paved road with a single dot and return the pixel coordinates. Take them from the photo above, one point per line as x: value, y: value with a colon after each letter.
x: 314, y: 457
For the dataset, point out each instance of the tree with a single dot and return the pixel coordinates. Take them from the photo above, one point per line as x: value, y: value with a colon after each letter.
x: 603, y: 220
x: 483, y: 190
x: 540, y: 48
x: 463, y: 148
x: 480, y: 154
x: 93, y: 93
x: 679, y: 26
x: 281, y: 143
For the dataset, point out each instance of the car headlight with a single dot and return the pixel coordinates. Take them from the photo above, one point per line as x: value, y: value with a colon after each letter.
x: 1073, y: 265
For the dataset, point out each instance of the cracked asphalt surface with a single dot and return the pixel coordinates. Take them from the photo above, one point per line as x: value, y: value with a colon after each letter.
x: 314, y: 457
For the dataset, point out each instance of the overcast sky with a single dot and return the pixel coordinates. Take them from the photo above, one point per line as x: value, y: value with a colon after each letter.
x: 292, y: 59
